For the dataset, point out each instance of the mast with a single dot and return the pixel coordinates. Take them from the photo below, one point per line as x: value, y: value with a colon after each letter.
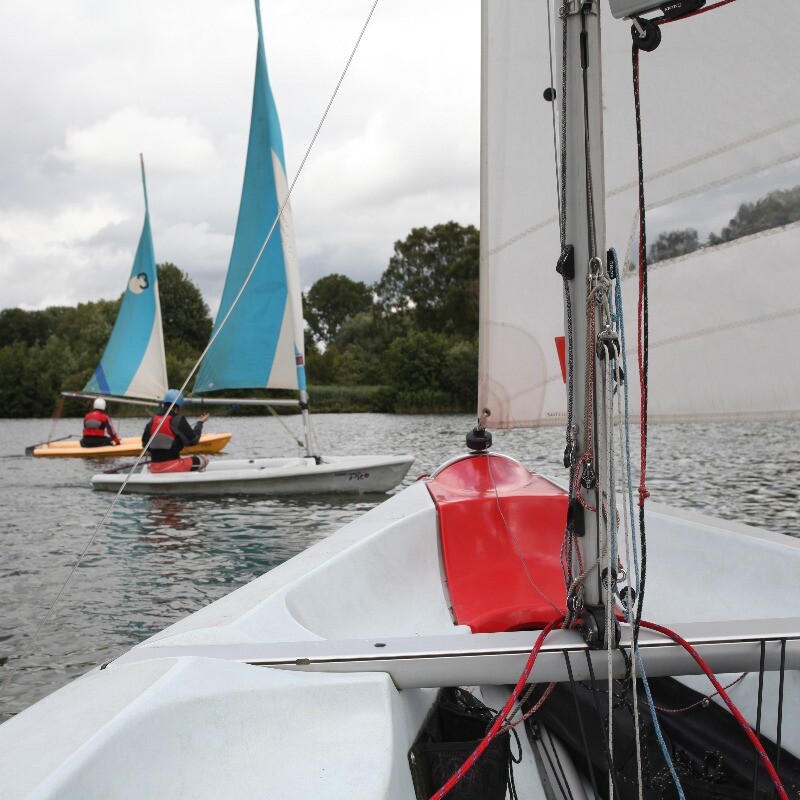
x: 292, y: 278
x: 583, y: 219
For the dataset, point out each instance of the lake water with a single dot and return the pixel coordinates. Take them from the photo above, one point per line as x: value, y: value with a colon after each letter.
x: 159, y: 559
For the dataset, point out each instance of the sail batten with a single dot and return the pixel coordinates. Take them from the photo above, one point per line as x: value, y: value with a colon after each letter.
x: 730, y: 318
x: 133, y: 363
x: 261, y: 344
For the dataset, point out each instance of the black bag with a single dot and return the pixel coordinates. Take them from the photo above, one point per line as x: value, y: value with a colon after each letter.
x: 455, y: 727
x: 712, y: 756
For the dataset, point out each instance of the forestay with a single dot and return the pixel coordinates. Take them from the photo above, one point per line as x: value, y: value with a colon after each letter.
x: 261, y: 344
x: 723, y: 318
x: 133, y: 363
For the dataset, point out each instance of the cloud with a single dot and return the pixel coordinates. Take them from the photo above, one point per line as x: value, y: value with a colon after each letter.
x: 174, y: 80
x: 171, y: 143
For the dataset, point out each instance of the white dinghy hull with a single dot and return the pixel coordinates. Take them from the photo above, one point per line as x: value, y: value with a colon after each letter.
x: 269, y: 476
x: 191, y: 713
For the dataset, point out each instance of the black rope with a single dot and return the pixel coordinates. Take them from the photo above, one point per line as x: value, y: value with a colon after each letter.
x: 562, y: 222
x: 578, y: 714
x: 568, y: 792
x: 562, y: 789
x: 643, y: 343
x: 603, y: 724
x: 512, y: 786
x: 781, y: 682
x: 758, y: 712
x: 590, y: 213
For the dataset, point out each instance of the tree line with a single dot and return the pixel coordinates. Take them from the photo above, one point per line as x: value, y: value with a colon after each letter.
x: 406, y: 343
x: 43, y: 353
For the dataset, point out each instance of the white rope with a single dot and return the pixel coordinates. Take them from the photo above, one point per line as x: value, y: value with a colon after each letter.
x: 624, y: 473
x: 202, y: 356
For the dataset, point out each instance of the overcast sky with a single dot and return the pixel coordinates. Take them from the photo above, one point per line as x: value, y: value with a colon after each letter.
x: 88, y: 84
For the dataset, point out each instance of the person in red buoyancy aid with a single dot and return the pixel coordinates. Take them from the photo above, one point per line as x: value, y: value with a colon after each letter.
x: 97, y: 428
x: 172, y: 433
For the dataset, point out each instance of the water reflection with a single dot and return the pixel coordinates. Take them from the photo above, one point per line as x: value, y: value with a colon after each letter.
x: 160, y: 558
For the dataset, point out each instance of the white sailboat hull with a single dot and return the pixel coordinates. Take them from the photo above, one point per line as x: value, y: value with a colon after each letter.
x: 270, y: 476
x: 190, y: 713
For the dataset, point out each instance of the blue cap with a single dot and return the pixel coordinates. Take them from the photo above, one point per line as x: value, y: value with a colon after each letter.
x: 173, y: 396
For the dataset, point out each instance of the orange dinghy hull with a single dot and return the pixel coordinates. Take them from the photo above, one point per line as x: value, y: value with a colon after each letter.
x: 132, y: 446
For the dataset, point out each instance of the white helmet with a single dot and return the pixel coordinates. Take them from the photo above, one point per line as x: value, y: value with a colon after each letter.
x: 99, y: 404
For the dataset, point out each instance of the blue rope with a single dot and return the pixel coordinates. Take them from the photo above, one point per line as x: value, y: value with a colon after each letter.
x: 619, y: 327
x: 662, y: 744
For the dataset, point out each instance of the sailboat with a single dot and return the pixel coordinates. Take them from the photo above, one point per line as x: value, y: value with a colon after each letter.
x: 133, y: 367
x: 394, y: 659
x: 258, y: 343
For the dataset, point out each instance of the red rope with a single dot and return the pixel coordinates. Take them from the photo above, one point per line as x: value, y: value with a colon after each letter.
x: 724, y: 695
x: 501, y: 717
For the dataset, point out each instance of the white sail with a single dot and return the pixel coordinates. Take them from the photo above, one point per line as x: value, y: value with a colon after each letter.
x: 723, y: 352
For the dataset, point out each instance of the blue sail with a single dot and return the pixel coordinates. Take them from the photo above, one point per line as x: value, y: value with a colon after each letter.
x: 261, y: 344
x: 133, y: 363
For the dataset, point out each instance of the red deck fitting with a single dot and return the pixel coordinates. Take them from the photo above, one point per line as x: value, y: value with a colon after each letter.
x: 489, y: 587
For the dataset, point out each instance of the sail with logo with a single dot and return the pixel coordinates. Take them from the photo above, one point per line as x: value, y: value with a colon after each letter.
x: 134, y: 363
x: 257, y: 340
x: 133, y: 367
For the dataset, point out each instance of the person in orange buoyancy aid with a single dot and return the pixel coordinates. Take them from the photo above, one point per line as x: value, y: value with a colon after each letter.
x: 172, y: 433
x: 97, y: 428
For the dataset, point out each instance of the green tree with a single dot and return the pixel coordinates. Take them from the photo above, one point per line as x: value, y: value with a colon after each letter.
x: 87, y: 329
x: 31, y: 377
x: 459, y: 373
x: 28, y: 327
x: 363, y: 341
x: 322, y: 368
x: 415, y: 361
x: 331, y: 301
x: 433, y: 277
x: 183, y: 311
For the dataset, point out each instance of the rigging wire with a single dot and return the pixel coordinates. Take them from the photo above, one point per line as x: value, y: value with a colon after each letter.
x: 285, y: 426
x: 194, y: 369
x: 56, y: 417
x: 553, y: 113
